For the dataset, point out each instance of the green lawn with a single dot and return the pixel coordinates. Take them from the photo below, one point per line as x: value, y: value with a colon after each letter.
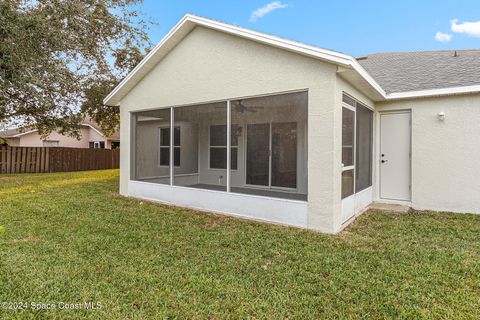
x: 71, y: 238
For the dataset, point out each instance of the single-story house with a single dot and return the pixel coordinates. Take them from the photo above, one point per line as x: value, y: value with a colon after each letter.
x: 230, y: 120
x: 91, y: 136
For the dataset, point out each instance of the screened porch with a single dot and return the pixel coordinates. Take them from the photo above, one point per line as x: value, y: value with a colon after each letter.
x: 254, y: 146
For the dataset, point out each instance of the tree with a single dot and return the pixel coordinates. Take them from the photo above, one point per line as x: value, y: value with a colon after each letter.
x: 58, y: 59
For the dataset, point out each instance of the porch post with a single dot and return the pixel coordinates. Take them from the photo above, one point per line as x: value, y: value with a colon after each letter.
x: 171, y: 144
x: 229, y: 130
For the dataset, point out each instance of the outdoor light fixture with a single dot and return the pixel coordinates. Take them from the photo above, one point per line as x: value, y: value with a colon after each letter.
x: 441, y: 116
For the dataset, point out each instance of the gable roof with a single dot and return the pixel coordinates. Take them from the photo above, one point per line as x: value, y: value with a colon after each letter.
x: 387, y: 76
x: 427, y: 70
x: 189, y: 22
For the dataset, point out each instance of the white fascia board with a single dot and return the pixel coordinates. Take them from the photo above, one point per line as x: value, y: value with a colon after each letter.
x: 93, y: 128
x: 433, y: 92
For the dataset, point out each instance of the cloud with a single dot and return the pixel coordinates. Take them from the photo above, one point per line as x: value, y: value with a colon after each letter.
x: 469, y: 28
x: 443, y: 37
x: 266, y: 9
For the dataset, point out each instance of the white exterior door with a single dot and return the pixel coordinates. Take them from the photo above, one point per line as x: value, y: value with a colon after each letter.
x: 395, y: 156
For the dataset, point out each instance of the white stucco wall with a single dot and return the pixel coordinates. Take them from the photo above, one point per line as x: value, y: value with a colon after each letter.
x: 445, y: 155
x: 209, y: 66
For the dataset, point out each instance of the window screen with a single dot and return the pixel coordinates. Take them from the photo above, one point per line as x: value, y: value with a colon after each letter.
x: 348, y: 127
x: 364, y: 141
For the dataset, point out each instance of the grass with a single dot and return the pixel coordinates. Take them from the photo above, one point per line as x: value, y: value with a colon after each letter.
x: 71, y: 238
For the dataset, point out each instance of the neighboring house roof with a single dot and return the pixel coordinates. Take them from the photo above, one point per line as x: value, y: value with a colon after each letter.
x: 374, y: 81
x: 15, y: 133
x: 18, y: 132
x: 8, y: 133
x: 413, y: 71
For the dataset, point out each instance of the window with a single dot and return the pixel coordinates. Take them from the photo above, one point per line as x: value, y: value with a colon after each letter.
x: 218, y: 146
x: 165, y: 146
x: 115, y: 144
x: 50, y: 143
x: 96, y: 145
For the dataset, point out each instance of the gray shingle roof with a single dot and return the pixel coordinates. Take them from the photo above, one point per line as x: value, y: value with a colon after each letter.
x: 412, y: 71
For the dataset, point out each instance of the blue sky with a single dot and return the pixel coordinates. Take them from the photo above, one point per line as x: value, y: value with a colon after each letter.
x: 353, y: 27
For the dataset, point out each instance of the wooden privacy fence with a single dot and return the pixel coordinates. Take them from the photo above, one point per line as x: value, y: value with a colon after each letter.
x: 56, y: 159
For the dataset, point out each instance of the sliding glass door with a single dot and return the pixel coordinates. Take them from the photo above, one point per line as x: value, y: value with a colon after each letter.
x: 272, y: 155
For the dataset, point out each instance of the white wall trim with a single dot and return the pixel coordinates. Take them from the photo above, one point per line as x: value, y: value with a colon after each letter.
x: 276, y: 210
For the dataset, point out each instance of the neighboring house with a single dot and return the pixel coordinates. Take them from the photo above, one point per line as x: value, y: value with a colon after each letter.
x: 315, y: 136
x: 91, y: 137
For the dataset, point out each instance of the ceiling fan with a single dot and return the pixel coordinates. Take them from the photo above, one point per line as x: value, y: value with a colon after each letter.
x: 239, y: 107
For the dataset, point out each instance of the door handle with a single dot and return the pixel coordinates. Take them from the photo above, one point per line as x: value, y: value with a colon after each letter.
x: 383, y: 161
